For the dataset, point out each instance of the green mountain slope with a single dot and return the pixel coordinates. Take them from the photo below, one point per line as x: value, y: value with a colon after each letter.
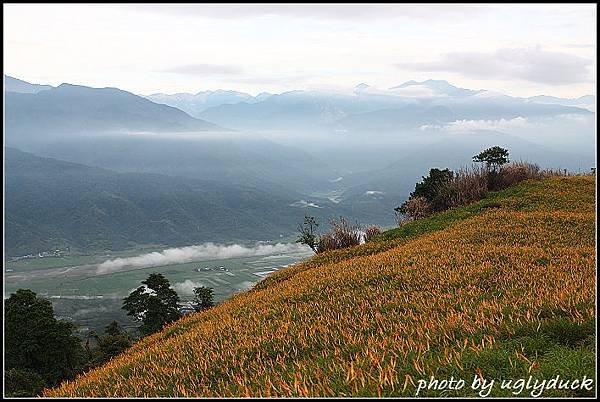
x: 55, y: 204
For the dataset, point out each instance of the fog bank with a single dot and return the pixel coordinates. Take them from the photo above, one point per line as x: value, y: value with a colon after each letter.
x: 202, y: 252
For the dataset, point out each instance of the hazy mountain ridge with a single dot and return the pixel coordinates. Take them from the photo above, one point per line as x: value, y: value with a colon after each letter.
x: 12, y: 84
x: 586, y: 101
x: 51, y: 204
x: 79, y: 111
x: 437, y: 88
x: 194, y: 104
x: 309, y: 110
x: 366, y: 109
x: 229, y: 158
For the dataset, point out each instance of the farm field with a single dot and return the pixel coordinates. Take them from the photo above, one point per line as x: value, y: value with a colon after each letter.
x: 68, y: 260
x: 92, y: 300
x: 500, y: 290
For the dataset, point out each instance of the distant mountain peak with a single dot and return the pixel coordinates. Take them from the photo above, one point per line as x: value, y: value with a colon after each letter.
x: 65, y: 85
x: 437, y: 88
x: 427, y: 83
x: 361, y: 87
x: 406, y: 84
x: 12, y: 84
x: 444, y: 82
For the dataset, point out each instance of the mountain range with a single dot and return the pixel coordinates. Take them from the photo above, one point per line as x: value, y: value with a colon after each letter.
x: 194, y: 104
x: 260, y: 161
x: 407, y: 105
x: 368, y: 111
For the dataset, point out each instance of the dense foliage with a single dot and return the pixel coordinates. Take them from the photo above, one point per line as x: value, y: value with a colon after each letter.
x: 203, y: 298
x: 432, y: 188
x: 39, y: 349
x: 114, y: 341
x: 493, y: 157
x: 430, y: 195
x: 155, y: 304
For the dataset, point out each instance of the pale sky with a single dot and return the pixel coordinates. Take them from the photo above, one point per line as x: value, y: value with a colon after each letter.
x: 521, y: 50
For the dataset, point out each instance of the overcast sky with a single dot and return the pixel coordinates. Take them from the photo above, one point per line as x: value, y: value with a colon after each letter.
x: 521, y: 50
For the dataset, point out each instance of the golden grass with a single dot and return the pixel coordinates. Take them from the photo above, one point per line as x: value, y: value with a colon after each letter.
x: 373, y: 324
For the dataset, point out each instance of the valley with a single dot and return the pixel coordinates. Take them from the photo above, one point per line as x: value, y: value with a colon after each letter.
x: 79, y: 293
x: 102, y: 173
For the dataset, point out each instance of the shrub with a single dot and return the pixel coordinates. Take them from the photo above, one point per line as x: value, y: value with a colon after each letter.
x: 517, y: 172
x: 433, y: 188
x: 401, y: 218
x: 345, y: 234
x: 445, y: 190
x: 469, y: 185
x: 442, y: 189
x: 493, y: 158
x: 115, y: 341
x: 414, y: 208
x: 326, y: 242
x: 371, y: 232
x: 341, y: 235
x: 307, y: 233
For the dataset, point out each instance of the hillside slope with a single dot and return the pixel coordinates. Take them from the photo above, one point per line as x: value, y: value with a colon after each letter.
x: 501, y: 289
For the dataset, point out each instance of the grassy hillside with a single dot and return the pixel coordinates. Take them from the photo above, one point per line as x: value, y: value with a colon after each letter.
x: 501, y: 289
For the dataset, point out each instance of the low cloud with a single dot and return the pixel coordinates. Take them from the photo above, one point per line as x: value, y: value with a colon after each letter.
x: 187, y: 287
x: 471, y: 125
x: 205, y: 69
x: 517, y: 123
x: 529, y: 64
x: 202, y: 252
x: 304, y: 204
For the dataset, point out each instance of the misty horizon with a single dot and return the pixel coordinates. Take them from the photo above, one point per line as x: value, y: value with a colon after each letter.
x: 522, y: 50
x: 345, y: 91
